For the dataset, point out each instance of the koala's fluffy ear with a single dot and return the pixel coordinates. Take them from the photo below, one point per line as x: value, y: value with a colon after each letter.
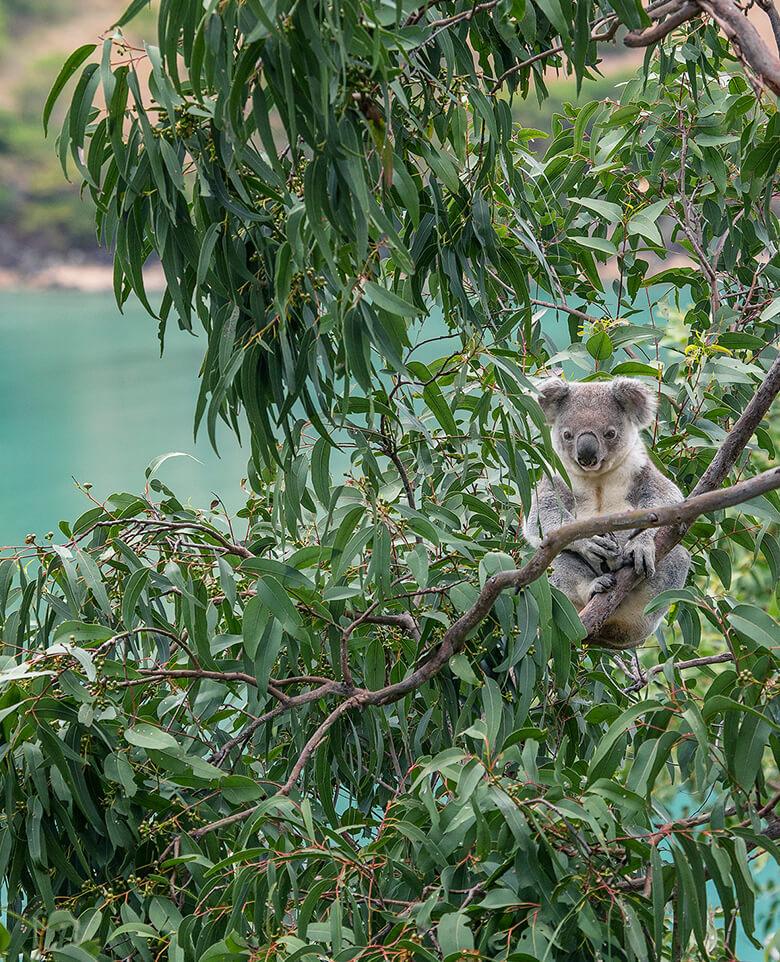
x: 552, y: 394
x: 636, y: 399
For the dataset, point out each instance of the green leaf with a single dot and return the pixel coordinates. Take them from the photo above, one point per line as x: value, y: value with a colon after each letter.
x: 499, y: 898
x: 595, y: 243
x: 552, y: 10
x: 389, y: 301
x: 618, y: 728
x: 71, y: 65
x: 453, y: 934
x: 132, y: 11
x: 433, y: 397
x: 461, y: 668
x: 147, y: 736
x: 493, y: 707
x: 156, y: 463
x: 256, y: 617
x: 599, y: 346
x: 133, y: 590
x: 91, y: 575
x: 756, y: 625
x: 609, y: 211
x: 748, y: 749
x: 320, y: 471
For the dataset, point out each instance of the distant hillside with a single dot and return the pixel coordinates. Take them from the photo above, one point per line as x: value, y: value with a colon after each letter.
x: 42, y: 217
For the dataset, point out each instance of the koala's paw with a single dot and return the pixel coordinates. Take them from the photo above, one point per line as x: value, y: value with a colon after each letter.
x: 602, y: 549
x: 601, y: 584
x: 640, y: 552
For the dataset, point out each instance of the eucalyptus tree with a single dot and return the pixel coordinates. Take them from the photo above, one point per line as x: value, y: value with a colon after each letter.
x: 366, y: 726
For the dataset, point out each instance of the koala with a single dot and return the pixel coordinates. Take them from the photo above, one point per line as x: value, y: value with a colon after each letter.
x: 595, y: 432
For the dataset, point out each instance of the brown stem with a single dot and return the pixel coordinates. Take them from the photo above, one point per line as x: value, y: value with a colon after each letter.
x: 404, y: 621
x: 465, y: 15
x: 218, y: 756
x: 229, y: 546
x: 608, y: 34
x: 680, y: 666
x: 390, y: 449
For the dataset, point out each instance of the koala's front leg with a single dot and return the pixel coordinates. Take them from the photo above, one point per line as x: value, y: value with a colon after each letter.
x: 639, y: 552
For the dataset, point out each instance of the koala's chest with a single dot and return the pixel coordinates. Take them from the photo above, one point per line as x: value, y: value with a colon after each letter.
x: 599, y: 498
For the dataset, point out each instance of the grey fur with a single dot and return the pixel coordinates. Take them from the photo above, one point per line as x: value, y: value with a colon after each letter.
x: 595, y: 432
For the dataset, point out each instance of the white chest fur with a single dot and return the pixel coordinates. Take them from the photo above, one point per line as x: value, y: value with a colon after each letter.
x: 607, y: 494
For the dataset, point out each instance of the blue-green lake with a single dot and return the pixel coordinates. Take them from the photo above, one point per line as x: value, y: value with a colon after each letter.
x: 84, y: 394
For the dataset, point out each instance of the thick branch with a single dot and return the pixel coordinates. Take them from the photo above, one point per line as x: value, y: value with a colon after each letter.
x: 597, y: 611
x: 404, y: 621
x: 731, y: 19
x: 743, y: 430
x: 455, y: 637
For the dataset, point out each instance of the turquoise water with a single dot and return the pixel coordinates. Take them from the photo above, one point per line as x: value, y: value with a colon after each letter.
x: 84, y: 394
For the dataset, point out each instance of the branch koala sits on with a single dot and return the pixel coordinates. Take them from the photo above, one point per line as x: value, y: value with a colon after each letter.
x: 595, y: 432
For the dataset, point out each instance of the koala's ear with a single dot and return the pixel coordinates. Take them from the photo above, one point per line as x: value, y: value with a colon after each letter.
x: 636, y: 399
x: 552, y: 394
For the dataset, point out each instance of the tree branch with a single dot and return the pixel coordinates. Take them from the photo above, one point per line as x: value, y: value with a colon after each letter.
x: 645, y: 680
x: 455, y: 637
x: 219, y: 755
x: 741, y: 32
x: 404, y: 621
x: 229, y: 546
x: 609, y: 33
x: 390, y: 449
x: 644, y: 38
x: 465, y: 15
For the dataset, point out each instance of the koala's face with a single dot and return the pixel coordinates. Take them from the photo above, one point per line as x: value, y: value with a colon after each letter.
x: 595, y: 425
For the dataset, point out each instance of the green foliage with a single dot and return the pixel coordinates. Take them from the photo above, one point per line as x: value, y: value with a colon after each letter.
x: 313, y: 180
x: 270, y: 747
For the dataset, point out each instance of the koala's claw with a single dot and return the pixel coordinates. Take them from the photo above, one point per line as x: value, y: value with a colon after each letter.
x: 601, y: 549
x: 641, y: 554
x: 601, y: 584
x: 612, y: 550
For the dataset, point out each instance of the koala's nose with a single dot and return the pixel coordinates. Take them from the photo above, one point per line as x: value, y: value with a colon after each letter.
x: 587, y: 449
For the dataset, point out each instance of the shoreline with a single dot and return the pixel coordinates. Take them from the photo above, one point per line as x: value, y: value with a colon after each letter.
x: 87, y: 278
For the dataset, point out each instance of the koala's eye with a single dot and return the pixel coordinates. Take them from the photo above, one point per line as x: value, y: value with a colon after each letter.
x: 610, y: 433
x: 567, y: 435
